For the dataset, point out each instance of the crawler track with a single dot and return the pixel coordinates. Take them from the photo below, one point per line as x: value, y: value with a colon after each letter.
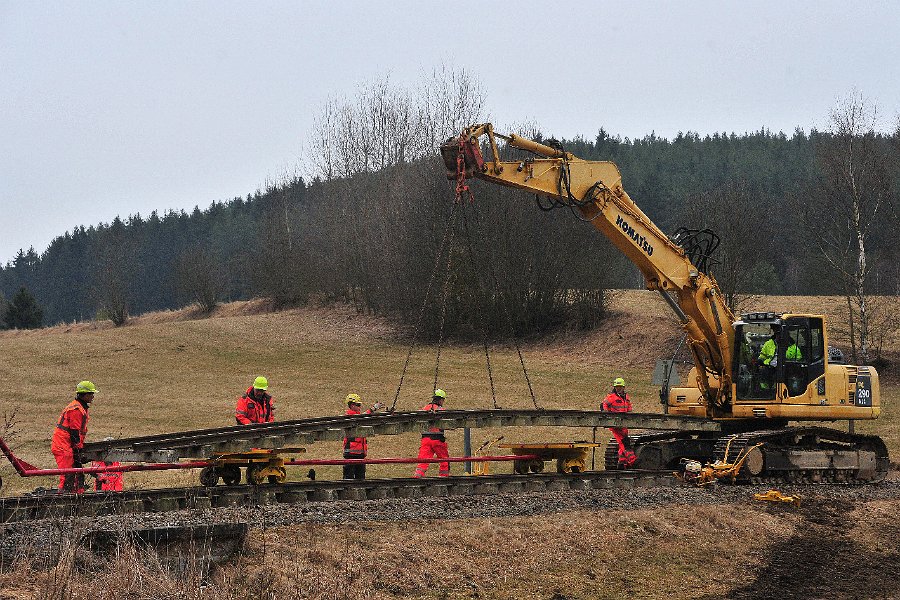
x: 808, y: 455
x: 787, y: 455
x: 206, y: 442
x: 25, y: 508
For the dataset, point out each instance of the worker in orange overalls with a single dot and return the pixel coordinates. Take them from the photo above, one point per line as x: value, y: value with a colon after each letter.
x: 357, y: 447
x: 433, y: 442
x: 108, y: 482
x: 256, y: 405
x: 618, y: 401
x: 68, y: 437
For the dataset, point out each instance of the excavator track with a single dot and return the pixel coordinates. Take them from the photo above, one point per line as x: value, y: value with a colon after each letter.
x: 806, y: 455
x: 787, y: 455
x: 662, y: 450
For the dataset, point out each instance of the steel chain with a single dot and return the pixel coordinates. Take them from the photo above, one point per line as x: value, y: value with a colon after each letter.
x: 418, y: 328
x: 445, y: 291
x: 512, y: 328
x: 484, y: 328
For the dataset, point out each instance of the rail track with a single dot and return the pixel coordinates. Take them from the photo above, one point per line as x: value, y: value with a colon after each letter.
x: 51, y: 505
x: 204, y: 443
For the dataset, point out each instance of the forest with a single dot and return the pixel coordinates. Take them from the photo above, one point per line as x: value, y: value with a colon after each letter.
x: 374, y: 225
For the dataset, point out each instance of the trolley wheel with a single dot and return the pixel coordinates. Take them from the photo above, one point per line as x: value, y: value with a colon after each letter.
x: 280, y: 478
x: 253, y: 474
x: 209, y: 477
x: 231, y: 474
x: 569, y: 465
x: 520, y: 467
x: 536, y: 466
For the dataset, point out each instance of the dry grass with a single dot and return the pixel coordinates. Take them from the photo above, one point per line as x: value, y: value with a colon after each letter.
x: 633, y: 554
x: 171, y: 371
x: 167, y: 372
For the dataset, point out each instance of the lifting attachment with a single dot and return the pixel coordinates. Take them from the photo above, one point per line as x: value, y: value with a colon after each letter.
x: 694, y: 472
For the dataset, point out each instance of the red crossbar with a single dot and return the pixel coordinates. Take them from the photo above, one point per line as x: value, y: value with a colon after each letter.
x: 27, y: 470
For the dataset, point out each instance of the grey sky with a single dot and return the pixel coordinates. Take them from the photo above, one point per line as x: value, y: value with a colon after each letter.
x: 113, y: 108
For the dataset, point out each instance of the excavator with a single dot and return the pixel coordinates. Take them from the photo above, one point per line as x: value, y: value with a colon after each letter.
x: 754, y: 374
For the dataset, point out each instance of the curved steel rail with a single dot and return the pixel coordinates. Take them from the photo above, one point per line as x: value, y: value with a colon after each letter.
x: 23, y: 508
x: 204, y: 443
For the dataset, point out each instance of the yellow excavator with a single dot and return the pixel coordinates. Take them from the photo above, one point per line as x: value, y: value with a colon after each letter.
x: 753, y: 374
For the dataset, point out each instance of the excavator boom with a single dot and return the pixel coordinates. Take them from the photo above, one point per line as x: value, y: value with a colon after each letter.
x: 595, y: 189
x: 754, y: 374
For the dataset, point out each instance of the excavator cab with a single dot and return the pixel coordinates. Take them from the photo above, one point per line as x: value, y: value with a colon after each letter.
x: 777, y: 353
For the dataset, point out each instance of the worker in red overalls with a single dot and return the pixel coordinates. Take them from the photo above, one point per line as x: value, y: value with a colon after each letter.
x: 68, y: 437
x: 255, y: 406
x: 108, y: 482
x: 433, y: 442
x: 357, y: 447
x: 618, y: 401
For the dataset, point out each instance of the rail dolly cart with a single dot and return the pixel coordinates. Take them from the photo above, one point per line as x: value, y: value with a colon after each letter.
x: 570, y: 457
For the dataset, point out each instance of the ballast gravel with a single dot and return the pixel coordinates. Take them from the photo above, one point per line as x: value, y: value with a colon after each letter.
x: 50, y: 532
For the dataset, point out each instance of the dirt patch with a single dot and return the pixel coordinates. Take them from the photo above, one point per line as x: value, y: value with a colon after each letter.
x: 824, y: 560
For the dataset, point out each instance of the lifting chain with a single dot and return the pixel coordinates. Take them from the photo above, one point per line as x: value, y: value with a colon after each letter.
x: 462, y: 189
x: 487, y: 354
x: 512, y: 328
x: 448, y: 229
x: 444, y: 292
x: 461, y: 186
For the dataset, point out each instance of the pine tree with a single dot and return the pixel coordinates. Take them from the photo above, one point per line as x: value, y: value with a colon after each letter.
x: 23, y: 312
x: 3, y: 307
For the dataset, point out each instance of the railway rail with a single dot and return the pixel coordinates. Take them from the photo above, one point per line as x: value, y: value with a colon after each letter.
x: 51, y: 505
x: 203, y: 443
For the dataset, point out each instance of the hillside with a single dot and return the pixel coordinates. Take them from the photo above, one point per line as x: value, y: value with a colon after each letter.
x: 171, y: 371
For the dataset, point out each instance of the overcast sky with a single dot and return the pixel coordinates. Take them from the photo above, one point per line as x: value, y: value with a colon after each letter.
x: 117, y: 108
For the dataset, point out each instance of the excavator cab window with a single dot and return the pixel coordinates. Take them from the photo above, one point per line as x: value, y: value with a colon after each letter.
x: 803, y: 348
x: 754, y: 373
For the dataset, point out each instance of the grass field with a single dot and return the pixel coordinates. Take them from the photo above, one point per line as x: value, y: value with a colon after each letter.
x: 167, y: 372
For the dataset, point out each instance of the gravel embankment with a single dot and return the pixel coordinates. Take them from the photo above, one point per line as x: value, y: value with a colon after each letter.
x: 40, y: 533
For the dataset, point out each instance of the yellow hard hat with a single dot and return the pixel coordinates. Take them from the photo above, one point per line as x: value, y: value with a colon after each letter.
x: 353, y: 398
x: 619, y: 381
x: 86, y: 387
x: 261, y: 383
x: 439, y: 393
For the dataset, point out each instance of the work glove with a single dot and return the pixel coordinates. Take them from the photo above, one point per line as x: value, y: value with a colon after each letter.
x: 78, y: 458
x: 377, y: 406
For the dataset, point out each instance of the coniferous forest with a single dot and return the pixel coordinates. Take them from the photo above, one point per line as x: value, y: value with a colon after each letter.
x: 371, y: 226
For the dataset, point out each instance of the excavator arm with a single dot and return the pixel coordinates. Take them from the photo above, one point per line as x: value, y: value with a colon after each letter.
x: 594, y: 188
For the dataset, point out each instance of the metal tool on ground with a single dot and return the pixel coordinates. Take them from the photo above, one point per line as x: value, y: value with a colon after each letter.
x: 778, y: 497
x: 483, y: 468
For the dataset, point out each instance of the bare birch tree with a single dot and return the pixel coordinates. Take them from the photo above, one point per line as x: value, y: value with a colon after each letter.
x: 841, y: 214
x: 386, y: 125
